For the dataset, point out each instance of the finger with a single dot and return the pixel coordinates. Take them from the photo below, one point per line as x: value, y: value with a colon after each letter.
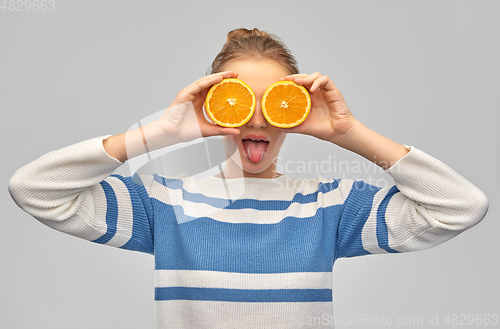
x: 225, y: 74
x: 308, y: 79
x: 292, y: 77
x: 322, y: 82
x: 203, y: 84
x: 216, y: 130
x: 229, y: 131
x: 213, y: 79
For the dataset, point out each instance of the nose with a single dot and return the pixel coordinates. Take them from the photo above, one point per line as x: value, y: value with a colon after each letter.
x: 257, y: 120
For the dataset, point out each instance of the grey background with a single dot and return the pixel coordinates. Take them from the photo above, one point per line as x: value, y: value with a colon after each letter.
x: 423, y: 73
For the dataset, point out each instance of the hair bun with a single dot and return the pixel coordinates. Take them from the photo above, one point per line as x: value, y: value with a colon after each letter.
x: 244, y: 43
x: 244, y: 33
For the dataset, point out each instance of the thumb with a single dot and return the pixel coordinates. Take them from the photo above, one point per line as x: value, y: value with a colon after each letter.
x: 229, y: 131
x: 216, y: 130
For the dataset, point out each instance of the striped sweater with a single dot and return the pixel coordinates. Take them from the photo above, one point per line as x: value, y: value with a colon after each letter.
x: 245, y: 252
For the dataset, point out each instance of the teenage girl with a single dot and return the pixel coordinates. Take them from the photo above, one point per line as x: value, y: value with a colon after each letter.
x: 248, y: 247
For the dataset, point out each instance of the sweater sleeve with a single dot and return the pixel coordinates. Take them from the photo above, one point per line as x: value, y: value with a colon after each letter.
x: 429, y: 204
x: 73, y: 190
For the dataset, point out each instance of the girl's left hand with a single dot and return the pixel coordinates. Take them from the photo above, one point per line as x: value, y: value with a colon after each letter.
x: 329, y: 118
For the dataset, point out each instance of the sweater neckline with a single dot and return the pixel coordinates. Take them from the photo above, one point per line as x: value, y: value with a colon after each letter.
x: 246, y: 179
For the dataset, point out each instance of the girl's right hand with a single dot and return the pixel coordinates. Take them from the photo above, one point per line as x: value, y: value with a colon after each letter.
x: 184, y: 120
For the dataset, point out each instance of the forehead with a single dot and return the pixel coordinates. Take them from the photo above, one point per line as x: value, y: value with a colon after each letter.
x: 257, y: 73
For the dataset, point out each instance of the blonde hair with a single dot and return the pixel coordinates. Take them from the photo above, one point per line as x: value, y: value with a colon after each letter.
x: 245, y: 43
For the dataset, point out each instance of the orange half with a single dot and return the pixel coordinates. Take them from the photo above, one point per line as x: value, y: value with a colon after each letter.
x: 230, y: 103
x: 286, y: 104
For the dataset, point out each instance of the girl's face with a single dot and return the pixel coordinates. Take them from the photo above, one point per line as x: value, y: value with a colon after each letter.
x: 255, y: 159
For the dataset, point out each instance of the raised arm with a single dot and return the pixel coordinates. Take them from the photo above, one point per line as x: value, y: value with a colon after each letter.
x: 331, y: 120
x: 429, y: 204
x: 182, y: 122
x: 74, y: 191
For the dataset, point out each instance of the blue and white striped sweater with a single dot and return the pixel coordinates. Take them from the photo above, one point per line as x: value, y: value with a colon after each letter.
x: 245, y: 252
x: 347, y: 217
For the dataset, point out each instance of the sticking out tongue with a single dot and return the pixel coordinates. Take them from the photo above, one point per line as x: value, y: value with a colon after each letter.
x: 254, y: 151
